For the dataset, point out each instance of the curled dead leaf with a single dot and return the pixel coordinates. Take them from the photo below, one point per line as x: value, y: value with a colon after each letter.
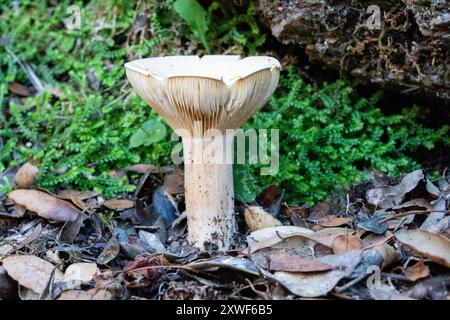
x: 257, y: 218
x: 327, y: 236
x: 174, y: 183
x: 44, y: 205
x: 31, y: 271
x: 316, y: 284
x: 26, y: 176
x: 418, y: 271
x: 333, y: 221
x: 19, y: 89
x: 91, y: 294
x: 68, y: 194
x: 80, y: 271
x: 347, y: 242
x: 429, y: 245
x: 274, y: 259
x: 119, y: 204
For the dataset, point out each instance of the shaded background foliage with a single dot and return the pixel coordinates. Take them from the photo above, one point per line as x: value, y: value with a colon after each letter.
x: 83, y: 126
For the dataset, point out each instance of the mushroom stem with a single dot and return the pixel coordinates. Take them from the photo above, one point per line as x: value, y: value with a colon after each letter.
x: 209, y: 191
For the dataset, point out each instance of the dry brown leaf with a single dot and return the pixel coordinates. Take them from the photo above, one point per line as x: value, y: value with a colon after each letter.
x: 258, y: 240
x: 19, y: 89
x: 68, y: 194
x: 143, y: 168
x: 77, y: 197
x: 257, y: 218
x: 299, y: 243
x: 26, y: 176
x: 91, y: 294
x: 82, y: 271
x: 18, y: 211
x: 8, y: 287
x: 119, y: 204
x: 316, y: 284
x: 320, y: 210
x: 347, y: 242
x: 31, y: 272
x: 393, y: 196
x: 268, y: 195
x: 418, y: 271
x: 44, y: 205
x: 326, y: 236
x: 288, y: 260
x: 388, y: 255
x: 174, y: 183
x: 432, y: 246
x: 333, y: 221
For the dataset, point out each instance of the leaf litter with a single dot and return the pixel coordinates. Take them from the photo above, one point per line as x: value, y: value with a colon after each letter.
x: 382, y: 241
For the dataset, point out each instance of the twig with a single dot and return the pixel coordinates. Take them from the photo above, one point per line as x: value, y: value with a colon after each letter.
x: 37, y: 84
x: 259, y: 293
x: 402, y: 214
x: 351, y: 283
x: 154, y: 267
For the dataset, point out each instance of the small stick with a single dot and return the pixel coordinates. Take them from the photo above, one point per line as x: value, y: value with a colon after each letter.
x: 402, y: 214
x: 351, y: 283
x: 154, y: 267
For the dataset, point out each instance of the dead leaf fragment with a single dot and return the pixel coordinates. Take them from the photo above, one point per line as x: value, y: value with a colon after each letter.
x: 318, y: 284
x: 333, y: 221
x: 268, y: 233
x: 418, y: 271
x: 287, y: 260
x: 82, y: 271
x: 26, y: 176
x: 8, y: 287
x: 110, y: 252
x: 91, y: 294
x: 347, y: 242
x: 18, y: 89
x: 31, y: 271
x: 432, y: 246
x: 68, y: 194
x: 327, y: 236
x: 94, y: 83
x: 174, y: 183
x: 393, y: 196
x: 143, y: 168
x: 119, y: 204
x: 257, y: 218
x: 44, y: 205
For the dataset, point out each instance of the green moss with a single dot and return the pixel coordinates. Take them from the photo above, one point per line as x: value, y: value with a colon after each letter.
x: 78, y: 135
x: 329, y: 136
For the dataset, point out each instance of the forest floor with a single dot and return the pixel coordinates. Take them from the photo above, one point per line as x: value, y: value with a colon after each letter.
x: 384, y: 239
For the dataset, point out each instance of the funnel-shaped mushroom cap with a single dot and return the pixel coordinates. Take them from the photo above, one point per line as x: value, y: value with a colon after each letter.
x: 220, y: 92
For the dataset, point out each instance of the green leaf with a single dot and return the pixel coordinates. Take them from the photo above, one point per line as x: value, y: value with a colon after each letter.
x: 195, y: 16
x: 151, y: 132
x: 244, y: 185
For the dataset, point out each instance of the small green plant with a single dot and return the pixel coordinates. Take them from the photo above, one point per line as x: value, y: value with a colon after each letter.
x: 195, y: 16
x: 238, y: 33
x: 151, y: 132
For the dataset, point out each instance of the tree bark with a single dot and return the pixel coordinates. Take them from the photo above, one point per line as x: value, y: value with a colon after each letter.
x: 408, y: 52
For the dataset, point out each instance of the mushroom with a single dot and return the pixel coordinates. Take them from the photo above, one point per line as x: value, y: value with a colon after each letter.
x: 203, y: 100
